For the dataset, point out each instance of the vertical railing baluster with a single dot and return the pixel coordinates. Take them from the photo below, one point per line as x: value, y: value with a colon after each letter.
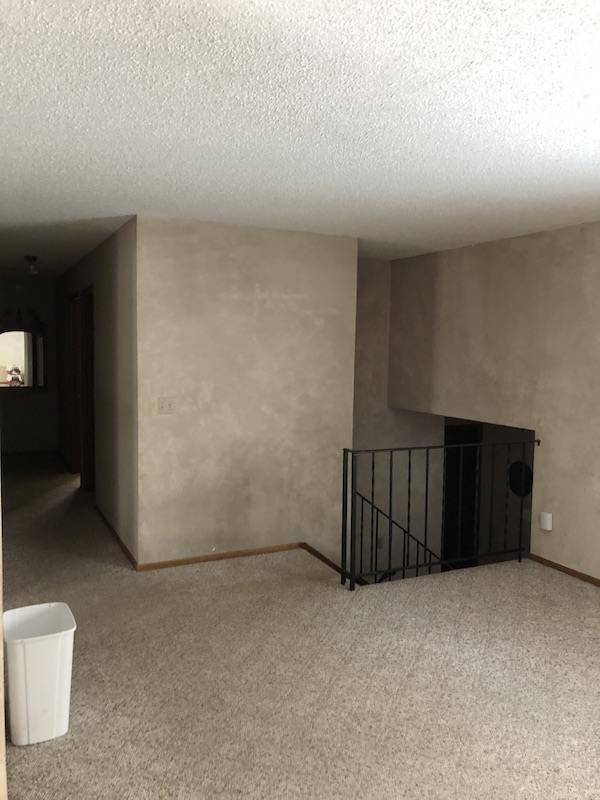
x: 362, y: 532
x: 344, y: 513
x: 408, y: 509
x: 426, y: 520
x: 372, y: 505
x: 534, y: 444
x: 492, y: 492
x: 460, y: 501
x: 506, y: 497
x: 390, y: 510
x: 353, y: 525
x: 522, y: 499
x: 376, y: 542
x: 376, y: 566
x: 417, y: 560
x: 372, y: 490
x: 477, y: 520
x: 409, y: 490
x: 371, y: 561
x: 443, y: 507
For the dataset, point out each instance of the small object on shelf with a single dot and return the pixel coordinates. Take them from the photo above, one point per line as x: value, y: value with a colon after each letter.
x: 14, y: 376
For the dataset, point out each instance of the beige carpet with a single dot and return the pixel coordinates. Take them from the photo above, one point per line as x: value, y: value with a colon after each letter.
x: 263, y: 678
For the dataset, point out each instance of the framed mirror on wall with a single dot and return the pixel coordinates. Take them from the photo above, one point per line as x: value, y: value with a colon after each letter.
x: 22, y: 350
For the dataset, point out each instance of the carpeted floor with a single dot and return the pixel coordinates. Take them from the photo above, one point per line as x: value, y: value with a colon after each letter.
x: 263, y: 678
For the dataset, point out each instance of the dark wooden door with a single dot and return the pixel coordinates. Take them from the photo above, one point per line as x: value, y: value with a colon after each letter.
x: 74, y: 383
x: 88, y: 470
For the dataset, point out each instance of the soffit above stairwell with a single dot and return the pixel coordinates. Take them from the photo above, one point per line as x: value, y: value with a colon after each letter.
x: 413, y: 126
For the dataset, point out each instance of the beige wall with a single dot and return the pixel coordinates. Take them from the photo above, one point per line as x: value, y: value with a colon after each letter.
x: 509, y: 333
x: 376, y: 425
x: 251, y: 333
x: 29, y: 418
x: 111, y: 270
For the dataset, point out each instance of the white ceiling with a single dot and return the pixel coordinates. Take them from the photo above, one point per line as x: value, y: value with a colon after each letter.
x: 416, y: 125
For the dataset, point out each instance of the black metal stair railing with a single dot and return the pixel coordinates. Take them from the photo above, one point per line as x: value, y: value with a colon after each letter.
x: 415, y: 555
x: 413, y: 511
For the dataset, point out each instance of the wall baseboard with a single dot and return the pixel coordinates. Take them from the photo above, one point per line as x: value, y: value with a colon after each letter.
x: 310, y: 549
x: 567, y: 570
x: 118, y: 539
x: 184, y: 562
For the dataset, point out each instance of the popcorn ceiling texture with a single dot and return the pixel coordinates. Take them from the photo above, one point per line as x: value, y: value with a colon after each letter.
x: 413, y: 126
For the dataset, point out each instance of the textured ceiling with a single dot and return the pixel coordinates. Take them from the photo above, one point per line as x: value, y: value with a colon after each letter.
x: 415, y: 126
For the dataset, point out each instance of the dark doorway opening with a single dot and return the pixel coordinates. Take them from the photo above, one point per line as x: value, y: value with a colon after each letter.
x: 461, y: 485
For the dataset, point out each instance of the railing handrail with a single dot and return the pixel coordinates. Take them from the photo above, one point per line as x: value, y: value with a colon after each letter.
x: 440, y: 447
x: 397, y: 524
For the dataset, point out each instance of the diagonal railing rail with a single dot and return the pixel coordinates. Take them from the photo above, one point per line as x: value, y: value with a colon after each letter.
x: 425, y: 557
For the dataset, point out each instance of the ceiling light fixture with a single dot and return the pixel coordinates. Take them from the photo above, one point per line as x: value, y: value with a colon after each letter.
x: 31, y: 264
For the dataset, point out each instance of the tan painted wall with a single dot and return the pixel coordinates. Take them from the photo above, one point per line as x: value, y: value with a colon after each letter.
x: 509, y: 333
x: 376, y: 425
x: 251, y: 333
x: 111, y: 270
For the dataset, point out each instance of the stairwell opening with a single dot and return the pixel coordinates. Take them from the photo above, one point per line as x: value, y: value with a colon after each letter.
x: 418, y: 510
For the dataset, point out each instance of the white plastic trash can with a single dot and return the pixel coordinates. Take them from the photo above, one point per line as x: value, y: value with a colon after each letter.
x: 39, y: 659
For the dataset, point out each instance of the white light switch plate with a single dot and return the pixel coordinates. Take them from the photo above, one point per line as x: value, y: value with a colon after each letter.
x: 166, y: 405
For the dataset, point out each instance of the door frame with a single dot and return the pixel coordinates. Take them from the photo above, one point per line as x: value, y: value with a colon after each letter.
x: 80, y: 386
x: 88, y: 466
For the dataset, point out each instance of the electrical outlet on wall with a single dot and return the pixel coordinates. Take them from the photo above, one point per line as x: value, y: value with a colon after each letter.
x: 166, y: 405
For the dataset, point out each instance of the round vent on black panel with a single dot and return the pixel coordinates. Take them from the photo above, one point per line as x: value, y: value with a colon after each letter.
x: 520, y: 478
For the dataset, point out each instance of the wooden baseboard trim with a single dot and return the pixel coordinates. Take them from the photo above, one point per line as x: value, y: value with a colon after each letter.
x: 310, y: 549
x: 567, y: 570
x: 118, y: 539
x: 254, y: 551
x: 184, y: 562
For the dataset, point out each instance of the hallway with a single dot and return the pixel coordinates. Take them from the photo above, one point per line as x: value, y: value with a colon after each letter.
x: 53, y: 537
x: 262, y: 678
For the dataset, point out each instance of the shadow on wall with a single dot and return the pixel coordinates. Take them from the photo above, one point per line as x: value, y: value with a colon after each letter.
x: 413, y: 294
